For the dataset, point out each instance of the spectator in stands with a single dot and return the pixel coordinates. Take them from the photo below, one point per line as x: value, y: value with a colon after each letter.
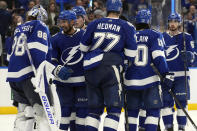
x: 5, y: 21
x: 140, y: 4
x: 99, y: 14
x: 79, y: 3
x: 52, y: 14
x: 98, y: 5
x: 166, y: 9
x: 188, y: 3
x: 91, y: 16
x: 191, y: 22
x: 31, y: 4
x: 156, y: 14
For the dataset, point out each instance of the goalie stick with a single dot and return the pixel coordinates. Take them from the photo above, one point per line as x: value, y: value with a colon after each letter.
x: 44, y: 99
x: 175, y: 98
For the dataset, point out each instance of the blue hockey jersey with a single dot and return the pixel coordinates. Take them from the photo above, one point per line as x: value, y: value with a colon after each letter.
x: 35, y: 35
x: 149, y: 50
x: 108, y: 35
x: 174, y: 46
x: 66, y: 52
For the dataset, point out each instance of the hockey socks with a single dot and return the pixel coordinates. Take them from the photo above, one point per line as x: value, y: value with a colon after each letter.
x: 65, y: 118
x: 132, y: 119
x: 81, y: 114
x: 92, y: 122
x: 111, y: 122
x: 167, y: 115
x: 152, y: 118
x: 72, y: 121
x: 142, y: 118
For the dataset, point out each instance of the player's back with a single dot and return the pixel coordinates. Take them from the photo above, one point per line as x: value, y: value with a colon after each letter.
x: 33, y: 33
x: 108, y: 40
x: 149, y: 50
x: 109, y: 34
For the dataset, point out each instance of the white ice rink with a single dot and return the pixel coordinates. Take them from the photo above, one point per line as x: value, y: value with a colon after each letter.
x: 6, y: 122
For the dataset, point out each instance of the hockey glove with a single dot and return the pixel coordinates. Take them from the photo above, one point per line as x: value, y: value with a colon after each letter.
x: 168, y: 80
x: 62, y: 72
x: 187, y: 56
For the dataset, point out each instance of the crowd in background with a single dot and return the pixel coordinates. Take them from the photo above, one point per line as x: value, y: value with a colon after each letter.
x: 13, y: 13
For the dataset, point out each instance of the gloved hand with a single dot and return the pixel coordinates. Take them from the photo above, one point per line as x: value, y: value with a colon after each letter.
x: 168, y: 80
x: 188, y: 56
x: 62, y: 72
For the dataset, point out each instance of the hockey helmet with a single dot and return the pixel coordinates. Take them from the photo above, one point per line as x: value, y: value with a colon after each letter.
x: 174, y: 16
x: 39, y: 12
x: 114, y: 5
x: 67, y: 15
x: 79, y: 10
x: 143, y: 16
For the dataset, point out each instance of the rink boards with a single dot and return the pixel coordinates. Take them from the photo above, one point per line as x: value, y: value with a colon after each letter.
x: 6, y: 102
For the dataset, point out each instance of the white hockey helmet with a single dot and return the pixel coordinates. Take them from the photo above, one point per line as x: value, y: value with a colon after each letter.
x: 39, y: 12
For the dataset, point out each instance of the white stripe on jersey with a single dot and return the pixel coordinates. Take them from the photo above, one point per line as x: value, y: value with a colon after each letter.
x: 93, y: 60
x: 152, y: 120
x: 93, y: 122
x: 157, y: 53
x: 65, y: 120
x: 38, y: 46
x: 141, y: 82
x: 84, y: 48
x: 180, y: 73
x: 132, y: 120
x: 110, y: 123
x: 130, y: 53
x: 80, y: 121
x: 77, y: 79
x: 20, y: 73
x: 118, y: 79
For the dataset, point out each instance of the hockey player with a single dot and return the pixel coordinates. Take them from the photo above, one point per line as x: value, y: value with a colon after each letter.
x: 35, y: 35
x: 66, y: 52
x: 81, y: 17
x: 176, y: 56
x: 80, y: 24
x: 105, y: 43
x: 141, y: 81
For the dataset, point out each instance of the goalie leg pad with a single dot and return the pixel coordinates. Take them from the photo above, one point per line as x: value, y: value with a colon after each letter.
x: 41, y: 123
x: 24, y: 119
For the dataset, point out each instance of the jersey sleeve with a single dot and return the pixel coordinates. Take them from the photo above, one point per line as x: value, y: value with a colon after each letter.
x: 85, y: 43
x: 130, y: 49
x: 38, y: 44
x: 190, y: 47
x: 158, y: 54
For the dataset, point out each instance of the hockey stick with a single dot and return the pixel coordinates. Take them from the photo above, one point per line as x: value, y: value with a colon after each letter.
x: 175, y: 98
x: 126, y: 111
x: 43, y: 96
x: 185, y: 60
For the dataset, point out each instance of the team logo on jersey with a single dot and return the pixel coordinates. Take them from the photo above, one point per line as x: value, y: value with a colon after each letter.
x: 71, y: 56
x: 172, y: 52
